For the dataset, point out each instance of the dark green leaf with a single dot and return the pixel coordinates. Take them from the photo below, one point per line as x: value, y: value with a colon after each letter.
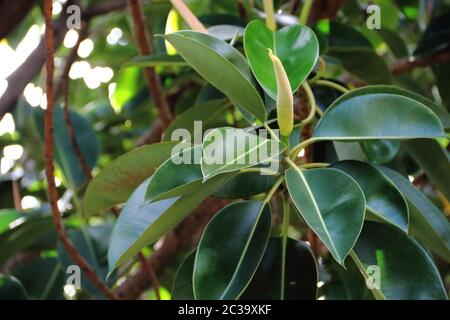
x: 329, y: 208
x: 231, y: 249
x: 182, y: 287
x: 245, y: 185
x: 141, y: 224
x: 222, y: 66
x: 406, y: 270
x: 377, y: 116
x: 11, y: 288
x: 380, y: 151
x: 426, y: 222
x: 296, y: 280
x: 383, y: 199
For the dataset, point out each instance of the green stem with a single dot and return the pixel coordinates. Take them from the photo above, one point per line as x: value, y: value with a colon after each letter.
x: 302, y: 145
x: 304, y: 14
x: 284, y: 234
x: 313, y: 165
x: 260, y: 170
x: 271, y: 132
x: 376, y: 292
x: 273, y: 190
x: 312, y: 105
x: 332, y: 85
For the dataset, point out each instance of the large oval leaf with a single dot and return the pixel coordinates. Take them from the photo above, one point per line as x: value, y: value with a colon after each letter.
x: 141, y: 224
x: 426, y: 222
x: 293, y: 279
x: 331, y: 203
x: 439, y: 111
x: 383, y: 199
x: 231, y: 249
x: 245, y: 185
x: 231, y: 149
x: 296, y: 46
x: 377, y: 116
x: 222, y: 66
x: 117, y: 181
x: 433, y: 159
x: 174, y: 179
x: 11, y: 288
x: 406, y: 270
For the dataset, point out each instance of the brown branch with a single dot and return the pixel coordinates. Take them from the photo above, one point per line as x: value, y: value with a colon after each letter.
x: 144, y: 48
x: 49, y: 152
x: 324, y: 9
x: 408, y: 64
x: 151, y: 136
x: 179, y: 240
x: 152, y: 275
x: 16, y: 195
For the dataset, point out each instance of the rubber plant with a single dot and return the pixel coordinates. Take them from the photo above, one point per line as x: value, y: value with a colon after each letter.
x: 362, y: 219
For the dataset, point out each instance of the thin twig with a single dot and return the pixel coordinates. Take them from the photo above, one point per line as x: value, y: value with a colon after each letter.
x: 188, y: 16
x: 16, y: 195
x: 152, y: 275
x: 144, y: 47
x: 408, y: 64
x: 49, y: 166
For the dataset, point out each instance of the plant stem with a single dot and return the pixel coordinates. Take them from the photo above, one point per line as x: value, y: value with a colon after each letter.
x: 312, y: 106
x: 313, y: 165
x: 332, y: 85
x: 273, y: 190
x: 260, y: 170
x: 284, y: 235
x: 188, y: 16
x: 270, y: 15
x: 271, y: 132
x: 49, y: 165
x: 302, y: 145
x: 305, y: 12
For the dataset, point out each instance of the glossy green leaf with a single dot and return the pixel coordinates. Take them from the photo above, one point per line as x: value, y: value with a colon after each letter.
x: 377, y: 116
x: 11, y: 288
x: 433, y: 159
x: 183, y: 287
x: 245, y: 185
x: 117, y: 181
x: 426, y: 222
x: 43, y: 278
x: 344, y: 283
x: 156, y: 60
x: 380, y: 151
x: 65, y: 156
x: 383, y: 199
x: 230, y: 250
x: 231, y: 149
x: 331, y: 203
x: 407, y: 272
x: 175, y: 178
x: 296, y: 46
x: 204, y: 112
x: 439, y: 111
x: 222, y: 66
x: 296, y: 280
x: 141, y: 224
